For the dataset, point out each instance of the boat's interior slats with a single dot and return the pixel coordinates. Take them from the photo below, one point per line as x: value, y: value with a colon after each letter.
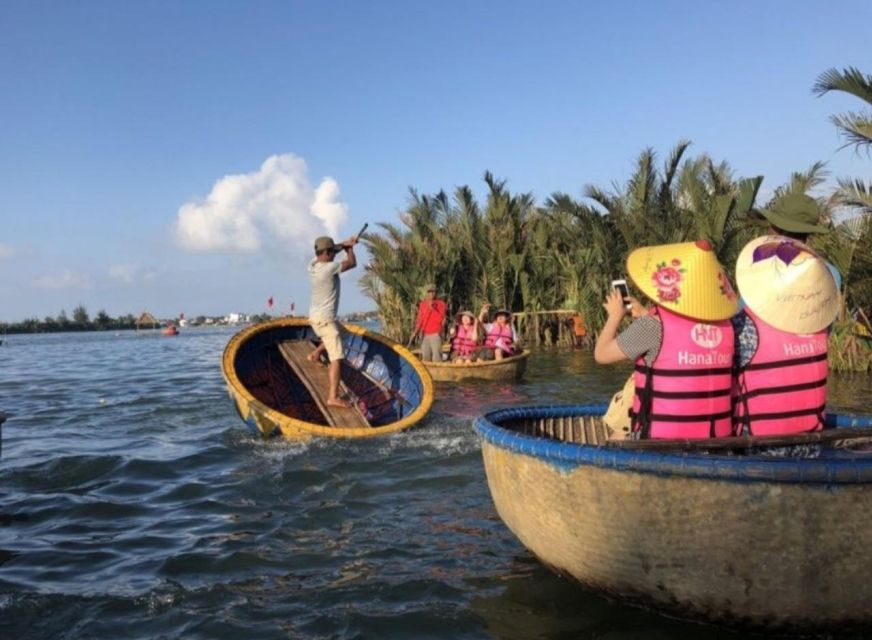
x: 575, y: 429
x: 314, y: 377
x: 287, y: 395
x: 591, y: 430
x: 385, y: 366
x: 273, y: 383
x: 379, y: 402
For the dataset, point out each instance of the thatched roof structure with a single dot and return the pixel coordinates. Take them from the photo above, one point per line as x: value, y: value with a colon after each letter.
x: 146, y: 319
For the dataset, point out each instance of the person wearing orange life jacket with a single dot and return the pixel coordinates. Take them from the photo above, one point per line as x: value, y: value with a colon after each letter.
x: 790, y: 298
x: 500, y: 337
x: 464, y: 337
x: 683, y: 347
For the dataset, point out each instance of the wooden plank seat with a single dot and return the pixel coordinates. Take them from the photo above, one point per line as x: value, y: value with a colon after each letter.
x: 315, y: 378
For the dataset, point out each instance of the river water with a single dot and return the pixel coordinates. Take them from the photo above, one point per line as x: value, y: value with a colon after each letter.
x: 134, y: 503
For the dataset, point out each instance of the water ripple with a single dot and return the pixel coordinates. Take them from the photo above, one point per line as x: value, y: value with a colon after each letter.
x: 134, y: 503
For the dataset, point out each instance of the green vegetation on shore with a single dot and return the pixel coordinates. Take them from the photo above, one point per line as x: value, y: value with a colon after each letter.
x: 80, y: 321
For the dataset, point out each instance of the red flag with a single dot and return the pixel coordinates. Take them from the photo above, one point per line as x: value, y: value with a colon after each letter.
x: 269, y: 302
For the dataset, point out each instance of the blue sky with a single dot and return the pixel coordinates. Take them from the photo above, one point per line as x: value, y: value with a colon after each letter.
x: 181, y: 156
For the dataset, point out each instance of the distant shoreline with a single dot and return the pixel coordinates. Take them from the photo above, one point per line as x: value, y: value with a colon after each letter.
x: 82, y: 323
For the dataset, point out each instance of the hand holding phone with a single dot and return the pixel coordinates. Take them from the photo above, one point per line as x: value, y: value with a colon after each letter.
x: 621, y: 286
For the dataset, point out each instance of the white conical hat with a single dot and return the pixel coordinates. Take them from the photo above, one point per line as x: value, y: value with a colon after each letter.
x: 787, y: 284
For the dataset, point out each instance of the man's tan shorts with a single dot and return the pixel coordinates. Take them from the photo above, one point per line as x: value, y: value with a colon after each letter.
x: 329, y: 333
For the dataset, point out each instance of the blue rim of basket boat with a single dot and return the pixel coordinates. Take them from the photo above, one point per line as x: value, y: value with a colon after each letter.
x: 744, y: 468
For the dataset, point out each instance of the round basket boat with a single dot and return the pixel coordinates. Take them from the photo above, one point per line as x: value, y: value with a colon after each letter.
x: 505, y: 370
x: 760, y: 541
x: 276, y: 391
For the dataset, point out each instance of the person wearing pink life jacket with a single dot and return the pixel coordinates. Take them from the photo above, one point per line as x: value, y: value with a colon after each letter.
x: 464, y: 336
x: 790, y: 299
x: 682, y: 347
x: 500, y: 337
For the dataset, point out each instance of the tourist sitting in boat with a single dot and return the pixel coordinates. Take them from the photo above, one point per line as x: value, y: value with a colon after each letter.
x: 464, y: 335
x: 682, y: 347
x: 790, y: 299
x: 500, y: 336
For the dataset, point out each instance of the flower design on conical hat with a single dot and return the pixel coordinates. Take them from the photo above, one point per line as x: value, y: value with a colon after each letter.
x: 685, y: 278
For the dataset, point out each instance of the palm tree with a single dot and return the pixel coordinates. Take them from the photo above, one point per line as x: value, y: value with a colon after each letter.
x: 851, y: 247
x: 856, y: 127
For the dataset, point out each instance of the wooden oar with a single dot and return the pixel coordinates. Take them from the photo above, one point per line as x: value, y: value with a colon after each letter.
x: 743, y: 442
x: 358, y: 236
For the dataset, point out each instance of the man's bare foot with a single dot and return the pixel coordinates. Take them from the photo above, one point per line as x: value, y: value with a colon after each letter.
x: 315, y: 358
x: 339, y: 402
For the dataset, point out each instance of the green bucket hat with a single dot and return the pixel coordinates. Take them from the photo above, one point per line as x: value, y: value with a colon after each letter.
x: 797, y: 213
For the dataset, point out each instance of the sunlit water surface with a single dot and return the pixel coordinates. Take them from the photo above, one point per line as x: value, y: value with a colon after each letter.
x: 135, y: 504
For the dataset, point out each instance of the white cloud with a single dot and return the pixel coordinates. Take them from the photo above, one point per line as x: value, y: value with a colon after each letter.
x: 274, y: 205
x: 7, y: 251
x: 123, y: 273
x: 131, y: 274
x: 64, y: 280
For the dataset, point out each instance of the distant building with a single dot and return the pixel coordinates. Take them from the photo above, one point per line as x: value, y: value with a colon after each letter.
x: 146, y: 319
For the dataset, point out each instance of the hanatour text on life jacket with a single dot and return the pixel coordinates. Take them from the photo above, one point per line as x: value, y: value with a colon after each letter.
x: 685, y: 393
x: 783, y: 388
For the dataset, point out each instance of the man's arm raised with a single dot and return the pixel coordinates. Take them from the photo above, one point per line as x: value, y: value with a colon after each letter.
x: 350, y: 260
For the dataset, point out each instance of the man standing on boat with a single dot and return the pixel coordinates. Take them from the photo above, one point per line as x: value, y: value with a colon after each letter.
x: 324, y: 277
x: 429, y: 324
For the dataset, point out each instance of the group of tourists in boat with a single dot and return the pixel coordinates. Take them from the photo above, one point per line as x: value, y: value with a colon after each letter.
x: 472, y: 338
x: 711, y: 363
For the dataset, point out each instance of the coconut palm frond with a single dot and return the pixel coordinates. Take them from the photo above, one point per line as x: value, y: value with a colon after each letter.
x: 803, y: 181
x: 850, y: 80
x: 856, y: 128
x: 670, y: 169
x: 855, y: 193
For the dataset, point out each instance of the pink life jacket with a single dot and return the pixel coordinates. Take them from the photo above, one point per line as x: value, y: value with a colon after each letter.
x: 783, y: 389
x: 463, y: 343
x: 500, y: 337
x: 685, y: 393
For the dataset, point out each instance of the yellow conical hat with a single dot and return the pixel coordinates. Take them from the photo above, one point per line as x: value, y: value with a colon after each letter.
x: 787, y: 284
x: 685, y: 278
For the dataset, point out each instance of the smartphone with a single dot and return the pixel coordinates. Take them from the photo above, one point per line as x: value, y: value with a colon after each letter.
x: 621, y: 286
